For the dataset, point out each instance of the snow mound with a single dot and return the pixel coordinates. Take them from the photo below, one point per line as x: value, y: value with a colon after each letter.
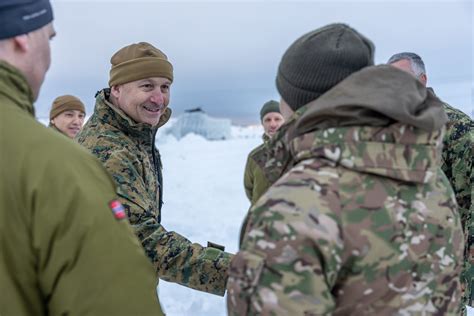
x: 251, y: 131
x: 200, y: 123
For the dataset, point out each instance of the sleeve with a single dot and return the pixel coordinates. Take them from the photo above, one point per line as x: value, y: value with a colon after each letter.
x: 175, y: 258
x: 248, y: 178
x: 89, y: 261
x: 291, y: 253
x: 458, y: 161
x: 260, y: 183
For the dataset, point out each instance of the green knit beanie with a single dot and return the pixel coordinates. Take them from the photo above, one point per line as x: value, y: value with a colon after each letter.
x: 268, y: 107
x: 319, y: 60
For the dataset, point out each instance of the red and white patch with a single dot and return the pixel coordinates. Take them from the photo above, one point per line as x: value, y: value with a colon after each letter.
x: 117, y: 209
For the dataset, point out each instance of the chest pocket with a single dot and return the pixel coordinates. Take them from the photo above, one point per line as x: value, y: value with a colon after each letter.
x: 150, y: 178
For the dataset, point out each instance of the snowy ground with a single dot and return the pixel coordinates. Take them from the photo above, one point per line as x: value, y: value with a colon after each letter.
x: 204, y: 201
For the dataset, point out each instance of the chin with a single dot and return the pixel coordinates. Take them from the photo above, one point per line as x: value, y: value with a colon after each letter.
x: 152, y: 123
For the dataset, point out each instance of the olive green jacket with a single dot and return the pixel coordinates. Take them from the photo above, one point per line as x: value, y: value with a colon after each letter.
x: 255, y: 181
x: 62, y: 250
x: 127, y: 150
x: 54, y: 128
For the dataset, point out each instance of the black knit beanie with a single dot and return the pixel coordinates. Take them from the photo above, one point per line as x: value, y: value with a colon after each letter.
x: 269, y: 107
x: 19, y: 17
x: 319, y: 60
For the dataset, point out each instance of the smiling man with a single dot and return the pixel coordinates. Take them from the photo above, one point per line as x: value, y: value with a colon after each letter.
x: 67, y: 115
x: 121, y: 133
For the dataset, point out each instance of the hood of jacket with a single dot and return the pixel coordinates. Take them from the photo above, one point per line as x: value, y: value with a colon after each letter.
x: 379, y: 120
x: 375, y: 96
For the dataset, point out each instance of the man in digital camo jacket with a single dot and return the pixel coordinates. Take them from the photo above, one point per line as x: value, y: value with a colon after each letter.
x: 121, y: 133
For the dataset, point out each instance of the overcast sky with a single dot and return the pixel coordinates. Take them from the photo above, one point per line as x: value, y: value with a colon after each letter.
x: 225, y: 54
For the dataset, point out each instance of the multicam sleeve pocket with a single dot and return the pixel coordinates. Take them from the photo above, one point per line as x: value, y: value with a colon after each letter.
x: 244, y: 276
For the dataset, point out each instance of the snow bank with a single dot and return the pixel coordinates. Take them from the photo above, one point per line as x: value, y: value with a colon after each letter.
x: 204, y: 200
x: 201, y: 124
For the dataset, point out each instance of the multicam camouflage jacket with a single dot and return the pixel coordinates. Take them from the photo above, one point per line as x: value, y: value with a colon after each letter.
x: 457, y: 164
x: 127, y: 149
x: 364, y: 223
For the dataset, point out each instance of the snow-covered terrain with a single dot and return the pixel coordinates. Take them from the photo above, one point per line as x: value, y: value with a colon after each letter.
x: 204, y: 200
x: 199, y: 123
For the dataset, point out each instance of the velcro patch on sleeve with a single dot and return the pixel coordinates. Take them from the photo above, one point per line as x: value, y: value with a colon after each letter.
x: 117, y: 209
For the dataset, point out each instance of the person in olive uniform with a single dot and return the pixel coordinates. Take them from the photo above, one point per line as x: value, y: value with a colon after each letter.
x: 65, y: 245
x: 255, y: 181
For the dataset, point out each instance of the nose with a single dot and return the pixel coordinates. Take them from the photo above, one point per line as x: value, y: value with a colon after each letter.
x: 77, y: 121
x: 158, y: 98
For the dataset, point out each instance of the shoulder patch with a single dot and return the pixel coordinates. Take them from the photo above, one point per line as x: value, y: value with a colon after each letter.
x: 117, y: 209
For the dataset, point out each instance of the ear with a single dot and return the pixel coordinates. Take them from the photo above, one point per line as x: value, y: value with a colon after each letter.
x: 115, y: 90
x: 21, y: 43
x: 285, y: 110
x: 423, y: 79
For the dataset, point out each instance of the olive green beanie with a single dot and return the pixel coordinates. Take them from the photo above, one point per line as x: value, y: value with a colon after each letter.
x: 319, y: 60
x: 139, y: 61
x: 268, y: 107
x: 66, y: 103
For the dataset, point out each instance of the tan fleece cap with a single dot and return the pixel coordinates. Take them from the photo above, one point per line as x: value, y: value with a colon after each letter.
x: 139, y: 61
x: 66, y: 103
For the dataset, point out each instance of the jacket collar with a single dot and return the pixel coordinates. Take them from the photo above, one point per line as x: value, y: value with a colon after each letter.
x: 14, y: 86
x: 265, y: 138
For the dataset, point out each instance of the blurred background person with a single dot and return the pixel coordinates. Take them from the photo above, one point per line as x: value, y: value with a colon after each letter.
x: 255, y: 182
x: 67, y: 115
